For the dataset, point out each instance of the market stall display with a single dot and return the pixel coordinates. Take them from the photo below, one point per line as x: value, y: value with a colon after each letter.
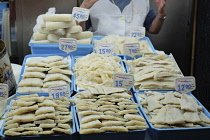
x: 94, y: 69
x: 119, y: 41
x: 39, y: 72
x: 154, y: 72
x: 31, y: 115
x: 107, y: 109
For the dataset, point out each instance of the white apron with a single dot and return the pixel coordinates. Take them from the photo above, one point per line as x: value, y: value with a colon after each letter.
x: 107, y: 19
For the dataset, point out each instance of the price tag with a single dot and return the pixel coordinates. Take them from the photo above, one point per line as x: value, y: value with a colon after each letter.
x: 80, y: 14
x: 138, y: 32
x: 67, y: 44
x: 123, y: 80
x: 185, y: 84
x: 132, y: 49
x: 59, y: 91
x: 106, y: 49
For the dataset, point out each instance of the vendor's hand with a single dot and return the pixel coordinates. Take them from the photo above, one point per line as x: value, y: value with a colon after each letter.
x: 161, y: 4
x: 88, y: 3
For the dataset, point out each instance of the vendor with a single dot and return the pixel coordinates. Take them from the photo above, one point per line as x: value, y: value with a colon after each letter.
x: 108, y: 17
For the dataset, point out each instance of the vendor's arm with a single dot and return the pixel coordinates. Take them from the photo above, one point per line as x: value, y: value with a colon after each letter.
x: 86, y: 4
x: 159, y: 20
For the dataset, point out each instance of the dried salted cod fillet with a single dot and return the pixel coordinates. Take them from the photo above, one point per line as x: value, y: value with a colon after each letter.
x: 194, y: 102
x: 25, y: 109
x: 91, y: 130
x: 160, y: 75
x: 157, y: 85
x: 186, y: 104
x: 35, y: 62
x: 115, y: 128
x: 93, y: 90
x: 153, y: 104
x: 161, y: 126
x: 170, y: 99
x: 92, y: 124
x: 204, y: 118
x: 59, y: 70
x: 24, y: 118
x: 160, y: 117
x: 174, y: 115
x: 149, y: 69
x: 191, y: 117
x: 138, y: 77
x: 100, y: 89
x: 158, y: 96
x: 177, y: 94
x: 36, y: 69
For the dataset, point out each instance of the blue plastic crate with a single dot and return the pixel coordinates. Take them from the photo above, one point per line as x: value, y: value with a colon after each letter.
x: 135, y: 134
x: 42, y: 137
x: 42, y: 55
x: 194, y: 133
x: 46, y: 48
x: 121, y: 55
x: 136, y: 57
x: 74, y: 76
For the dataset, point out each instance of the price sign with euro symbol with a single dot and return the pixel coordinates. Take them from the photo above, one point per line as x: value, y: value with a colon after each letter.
x: 123, y: 80
x: 106, y: 49
x: 59, y: 91
x: 80, y: 14
x: 185, y: 84
x: 67, y: 44
x: 138, y: 32
x: 132, y: 49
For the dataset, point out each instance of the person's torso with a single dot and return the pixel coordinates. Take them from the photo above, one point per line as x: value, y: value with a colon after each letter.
x: 107, y: 18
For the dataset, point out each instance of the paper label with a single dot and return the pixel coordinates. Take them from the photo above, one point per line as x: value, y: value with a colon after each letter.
x: 138, y: 32
x: 123, y: 80
x: 106, y: 49
x: 80, y: 14
x: 132, y: 49
x: 185, y: 84
x: 67, y: 44
x: 59, y: 91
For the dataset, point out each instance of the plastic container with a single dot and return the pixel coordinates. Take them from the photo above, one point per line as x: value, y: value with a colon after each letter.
x: 41, y: 137
x: 135, y: 134
x: 2, y: 6
x: 46, y: 48
x: 195, y: 133
x: 121, y: 55
x: 43, y: 55
x: 128, y: 70
x: 74, y: 76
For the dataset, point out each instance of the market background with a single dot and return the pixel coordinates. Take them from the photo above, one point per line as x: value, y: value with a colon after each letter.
x: 185, y: 34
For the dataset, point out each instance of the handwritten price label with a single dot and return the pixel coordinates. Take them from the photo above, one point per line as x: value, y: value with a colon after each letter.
x: 106, y: 49
x: 67, y: 44
x: 59, y: 91
x: 132, y: 49
x: 123, y: 80
x: 80, y: 14
x: 185, y: 84
x: 138, y: 32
